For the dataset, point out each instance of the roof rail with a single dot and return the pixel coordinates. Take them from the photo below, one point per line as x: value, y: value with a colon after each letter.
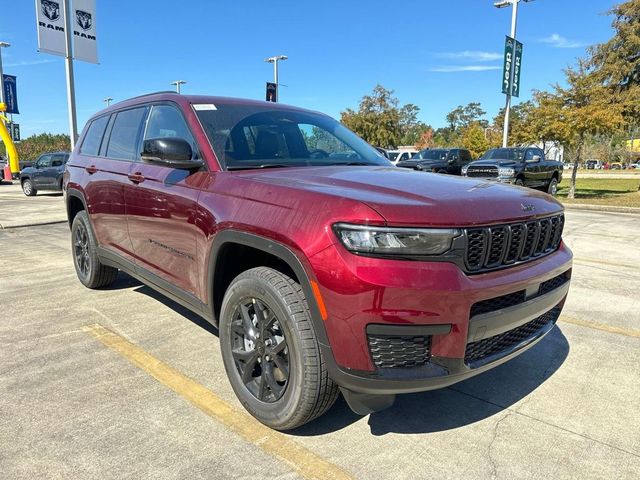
x: 152, y: 93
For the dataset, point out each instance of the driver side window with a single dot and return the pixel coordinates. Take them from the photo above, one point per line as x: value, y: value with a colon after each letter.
x: 44, y: 161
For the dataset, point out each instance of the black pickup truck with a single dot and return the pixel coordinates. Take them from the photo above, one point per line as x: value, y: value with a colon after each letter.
x: 520, y: 166
x: 439, y: 160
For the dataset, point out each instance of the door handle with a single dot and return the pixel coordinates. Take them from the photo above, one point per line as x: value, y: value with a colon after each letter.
x: 91, y: 169
x: 136, y: 177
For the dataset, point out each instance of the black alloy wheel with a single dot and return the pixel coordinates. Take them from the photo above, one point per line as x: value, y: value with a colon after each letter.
x: 259, y: 349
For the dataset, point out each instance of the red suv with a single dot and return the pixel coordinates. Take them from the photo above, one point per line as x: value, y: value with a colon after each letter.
x: 325, y: 268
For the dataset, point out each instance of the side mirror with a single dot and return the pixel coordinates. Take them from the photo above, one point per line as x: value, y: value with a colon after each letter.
x: 170, y: 152
x: 534, y: 159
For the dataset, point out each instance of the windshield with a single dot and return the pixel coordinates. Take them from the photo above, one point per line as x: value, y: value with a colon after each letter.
x: 503, y: 154
x: 256, y: 136
x: 393, y: 155
x: 432, y: 154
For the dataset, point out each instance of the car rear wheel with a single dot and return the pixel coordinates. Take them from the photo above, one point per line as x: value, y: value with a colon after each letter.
x: 552, y: 189
x: 91, y: 272
x: 270, y: 350
x: 28, y: 188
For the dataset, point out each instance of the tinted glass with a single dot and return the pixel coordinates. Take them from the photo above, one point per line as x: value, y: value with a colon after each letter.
x: 503, y: 154
x: 58, y: 160
x: 124, y: 135
x: 256, y: 136
x: 432, y: 154
x: 91, y: 142
x: 166, y: 121
x: 44, y: 161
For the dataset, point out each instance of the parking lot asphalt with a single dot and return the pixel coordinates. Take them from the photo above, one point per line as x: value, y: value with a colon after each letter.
x: 123, y: 383
x: 18, y: 210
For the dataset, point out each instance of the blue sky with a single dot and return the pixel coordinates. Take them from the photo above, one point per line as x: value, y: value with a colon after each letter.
x: 435, y: 54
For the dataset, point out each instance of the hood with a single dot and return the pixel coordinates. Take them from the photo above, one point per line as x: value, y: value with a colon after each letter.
x: 495, y: 162
x: 406, y: 197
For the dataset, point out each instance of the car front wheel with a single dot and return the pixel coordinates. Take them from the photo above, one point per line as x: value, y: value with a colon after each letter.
x: 91, y: 272
x: 552, y: 189
x: 271, y: 352
x: 28, y: 188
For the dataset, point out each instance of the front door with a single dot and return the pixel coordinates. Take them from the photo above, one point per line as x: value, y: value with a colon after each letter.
x: 43, y: 163
x: 162, y: 207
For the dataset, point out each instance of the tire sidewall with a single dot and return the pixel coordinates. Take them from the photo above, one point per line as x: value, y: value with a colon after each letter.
x: 553, y: 187
x: 28, y: 192
x: 82, y: 220
x: 519, y: 182
x: 283, y: 410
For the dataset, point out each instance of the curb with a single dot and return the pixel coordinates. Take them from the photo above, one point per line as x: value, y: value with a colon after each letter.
x: 34, y: 224
x: 601, y: 208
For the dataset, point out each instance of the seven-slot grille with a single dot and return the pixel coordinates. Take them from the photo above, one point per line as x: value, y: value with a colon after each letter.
x: 493, y: 247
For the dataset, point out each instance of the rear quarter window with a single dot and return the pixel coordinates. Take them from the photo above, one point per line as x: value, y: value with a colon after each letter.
x: 93, y: 138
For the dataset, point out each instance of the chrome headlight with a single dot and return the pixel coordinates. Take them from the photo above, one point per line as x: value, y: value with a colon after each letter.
x: 395, y: 241
x: 464, y: 170
x: 506, y: 172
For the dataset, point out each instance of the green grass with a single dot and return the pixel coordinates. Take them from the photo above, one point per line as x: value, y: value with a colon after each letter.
x: 621, y: 192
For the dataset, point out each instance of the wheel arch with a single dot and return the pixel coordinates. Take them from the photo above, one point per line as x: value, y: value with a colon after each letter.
x: 218, y: 276
x: 75, y: 203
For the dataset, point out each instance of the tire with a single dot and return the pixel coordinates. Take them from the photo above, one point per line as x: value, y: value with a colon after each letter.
x: 91, y: 273
x: 519, y: 182
x: 442, y: 171
x: 552, y: 189
x: 28, y: 189
x: 297, y: 387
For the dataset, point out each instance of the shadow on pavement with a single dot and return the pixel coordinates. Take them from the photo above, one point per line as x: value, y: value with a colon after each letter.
x: 461, y: 404
x: 126, y: 281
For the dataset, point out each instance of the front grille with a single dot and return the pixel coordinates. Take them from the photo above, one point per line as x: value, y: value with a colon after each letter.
x: 399, y: 351
x: 498, y: 303
x: 504, y: 342
x: 483, y: 172
x: 516, y: 298
x: 555, y: 282
x: 489, y: 248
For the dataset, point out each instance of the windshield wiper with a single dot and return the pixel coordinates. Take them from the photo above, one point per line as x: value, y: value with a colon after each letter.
x: 264, y: 165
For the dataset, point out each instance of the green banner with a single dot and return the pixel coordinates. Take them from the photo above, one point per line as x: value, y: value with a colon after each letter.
x: 506, y: 67
x: 511, y: 67
x: 517, y: 68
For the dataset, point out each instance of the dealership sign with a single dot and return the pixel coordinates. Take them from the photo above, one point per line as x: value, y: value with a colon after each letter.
x: 10, y: 94
x: 511, y: 67
x: 52, y: 23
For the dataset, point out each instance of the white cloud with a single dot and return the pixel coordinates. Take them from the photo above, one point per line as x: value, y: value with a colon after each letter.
x: 464, y: 68
x: 472, y: 55
x: 558, y: 41
x: 26, y: 63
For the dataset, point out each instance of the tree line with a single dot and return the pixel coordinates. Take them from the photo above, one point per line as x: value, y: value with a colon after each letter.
x: 594, y: 112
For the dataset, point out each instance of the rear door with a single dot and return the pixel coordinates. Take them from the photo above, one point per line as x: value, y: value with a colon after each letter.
x: 108, y: 150
x: 162, y: 207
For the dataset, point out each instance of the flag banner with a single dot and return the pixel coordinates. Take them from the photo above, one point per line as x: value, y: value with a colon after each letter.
x: 84, y: 31
x: 506, y: 66
x: 51, y: 24
x: 10, y: 94
x: 517, y: 66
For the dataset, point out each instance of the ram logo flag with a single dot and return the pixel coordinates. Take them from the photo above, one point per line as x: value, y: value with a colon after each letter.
x: 51, y: 24
x: 84, y: 31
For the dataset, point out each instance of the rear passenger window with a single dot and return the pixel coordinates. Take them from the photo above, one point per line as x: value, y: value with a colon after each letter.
x: 58, y: 160
x: 91, y: 142
x: 123, y: 141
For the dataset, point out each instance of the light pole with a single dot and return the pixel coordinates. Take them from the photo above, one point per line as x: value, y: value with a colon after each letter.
x: 2, y: 45
x: 275, y: 61
x: 514, y: 21
x: 108, y: 101
x: 177, y: 83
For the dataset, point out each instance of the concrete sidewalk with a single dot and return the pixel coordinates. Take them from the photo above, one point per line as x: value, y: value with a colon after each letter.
x: 18, y: 210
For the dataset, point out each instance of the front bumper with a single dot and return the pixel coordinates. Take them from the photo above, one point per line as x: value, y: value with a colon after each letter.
x: 428, y: 299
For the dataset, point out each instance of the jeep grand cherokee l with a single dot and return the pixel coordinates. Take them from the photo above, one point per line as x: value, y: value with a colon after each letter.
x: 325, y: 268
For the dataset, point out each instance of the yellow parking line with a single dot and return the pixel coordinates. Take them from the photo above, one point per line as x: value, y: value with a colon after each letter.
x: 600, y: 326
x: 306, y: 463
